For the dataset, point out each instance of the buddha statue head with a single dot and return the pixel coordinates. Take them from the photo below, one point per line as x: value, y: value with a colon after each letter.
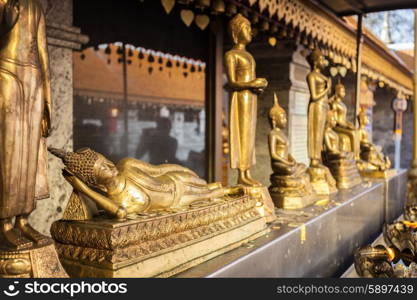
x: 91, y: 167
x: 363, y: 118
x: 240, y: 30
x: 340, y: 91
x: 316, y: 59
x: 277, y: 115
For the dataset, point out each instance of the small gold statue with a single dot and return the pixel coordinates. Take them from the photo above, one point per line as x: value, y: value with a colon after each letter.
x: 341, y: 163
x: 290, y: 183
x: 348, y: 133
x: 133, y: 186
x: 373, y: 162
x: 244, y: 87
x: 319, y: 85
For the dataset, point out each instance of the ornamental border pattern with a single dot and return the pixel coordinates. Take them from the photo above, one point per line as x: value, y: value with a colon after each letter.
x: 148, y: 248
x: 96, y: 235
x: 320, y: 27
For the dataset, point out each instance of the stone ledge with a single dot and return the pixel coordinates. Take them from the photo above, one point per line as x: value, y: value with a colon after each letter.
x: 315, y: 242
x: 65, y: 36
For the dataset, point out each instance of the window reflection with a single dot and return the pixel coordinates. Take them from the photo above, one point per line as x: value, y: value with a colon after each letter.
x: 160, y: 100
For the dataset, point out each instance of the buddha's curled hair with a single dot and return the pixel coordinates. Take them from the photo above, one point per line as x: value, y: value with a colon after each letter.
x: 80, y: 163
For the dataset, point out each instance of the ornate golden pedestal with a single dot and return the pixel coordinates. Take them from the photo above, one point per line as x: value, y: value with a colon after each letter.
x: 378, y: 174
x: 265, y: 205
x: 345, y: 173
x: 158, y: 245
x: 40, y: 262
x: 288, y: 196
x: 322, y: 181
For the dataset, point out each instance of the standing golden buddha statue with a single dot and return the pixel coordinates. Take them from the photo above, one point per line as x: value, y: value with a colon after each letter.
x: 348, y: 133
x: 24, y: 124
x: 373, y: 162
x: 244, y: 87
x: 319, y: 85
x: 341, y: 163
x: 290, y: 183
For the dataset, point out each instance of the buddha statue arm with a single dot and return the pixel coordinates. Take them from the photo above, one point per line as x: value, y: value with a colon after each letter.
x: 44, y: 62
x: 332, y: 145
x: 315, y: 95
x: 273, y: 140
x: 152, y: 170
x: 233, y: 83
x: 108, y: 205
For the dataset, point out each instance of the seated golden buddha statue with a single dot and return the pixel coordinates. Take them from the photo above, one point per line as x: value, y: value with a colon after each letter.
x: 290, y: 183
x: 348, y: 133
x: 133, y: 186
x: 341, y: 163
x: 373, y: 162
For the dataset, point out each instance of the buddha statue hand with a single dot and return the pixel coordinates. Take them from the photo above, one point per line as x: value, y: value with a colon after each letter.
x: 258, y: 85
x: 109, y: 206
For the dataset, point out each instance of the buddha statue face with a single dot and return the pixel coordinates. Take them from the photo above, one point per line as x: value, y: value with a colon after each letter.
x: 104, y: 169
x: 281, y: 120
x: 340, y: 91
x: 245, y: 34
x: 240, y: 30
x: 317, y: 59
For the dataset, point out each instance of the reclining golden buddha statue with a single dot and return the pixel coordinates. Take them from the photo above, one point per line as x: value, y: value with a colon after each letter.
x: 373, y: 162
x: 290, y: 183
x: 348, y: 133
x: 341, y: 163
x: 133, y: 186
x: 159, y: 220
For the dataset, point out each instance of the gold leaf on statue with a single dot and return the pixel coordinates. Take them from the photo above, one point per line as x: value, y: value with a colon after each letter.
x: 333, y: 71
x: 202, y: 21
x: 187, y: 16
x: 168, y: 5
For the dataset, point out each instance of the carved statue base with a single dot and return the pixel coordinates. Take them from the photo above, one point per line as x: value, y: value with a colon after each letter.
x: 265, y: 204
x: 159, y: 244
x: 290, y: 192
x: 378, y: 174
x: 37, y: 262
x: 345, y: 172
x: 322, y: 180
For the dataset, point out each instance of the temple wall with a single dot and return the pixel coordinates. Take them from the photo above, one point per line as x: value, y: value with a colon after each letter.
x: 62, y: 39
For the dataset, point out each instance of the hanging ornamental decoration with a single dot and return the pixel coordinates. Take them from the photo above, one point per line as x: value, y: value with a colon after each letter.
x: 187, y: 16
x: 168, y: 5
x: 202, y: 21
x: 218, y: 7
x: 342, y: 70
x: 333, y: 71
